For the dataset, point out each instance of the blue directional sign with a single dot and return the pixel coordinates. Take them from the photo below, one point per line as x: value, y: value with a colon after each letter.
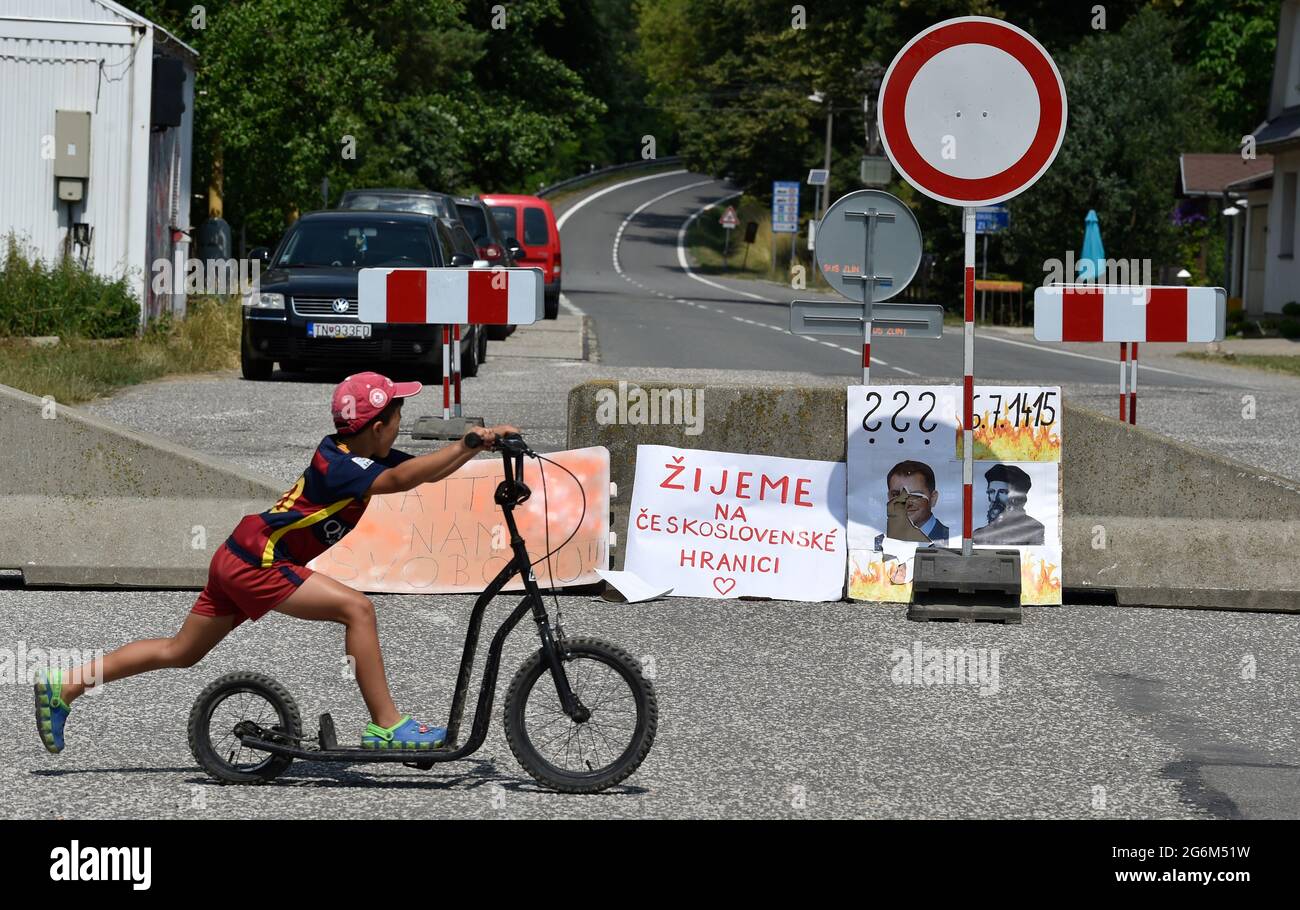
x: 785, y: 206
x: 990, y: 219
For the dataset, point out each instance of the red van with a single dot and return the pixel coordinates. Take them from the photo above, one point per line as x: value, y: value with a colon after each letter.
x: 531, y: 222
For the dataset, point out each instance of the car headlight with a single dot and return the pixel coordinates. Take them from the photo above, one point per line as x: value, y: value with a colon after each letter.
x: 264, y: 301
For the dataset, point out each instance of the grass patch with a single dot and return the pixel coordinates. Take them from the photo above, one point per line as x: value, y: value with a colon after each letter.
x: 78, y: 369
x: 706, y: 239
x: 1272, y: 363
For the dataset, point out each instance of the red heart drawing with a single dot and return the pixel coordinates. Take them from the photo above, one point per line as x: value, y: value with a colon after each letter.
x: 724, y: 585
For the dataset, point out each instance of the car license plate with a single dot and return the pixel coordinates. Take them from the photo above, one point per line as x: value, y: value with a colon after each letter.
x: 338, y: 330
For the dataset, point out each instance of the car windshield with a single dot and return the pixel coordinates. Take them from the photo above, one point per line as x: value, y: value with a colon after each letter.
x: 505, y: 218
x: 535, y: 231
x: 476, y: 223
x: 392, y: 202
x: 341, y: 244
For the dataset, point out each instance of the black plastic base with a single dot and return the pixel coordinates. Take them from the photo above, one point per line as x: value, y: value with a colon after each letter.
x: 981, y: 587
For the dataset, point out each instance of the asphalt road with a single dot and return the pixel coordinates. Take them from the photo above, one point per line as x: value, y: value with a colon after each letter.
x: 623, y: 267
x: 771, y: 709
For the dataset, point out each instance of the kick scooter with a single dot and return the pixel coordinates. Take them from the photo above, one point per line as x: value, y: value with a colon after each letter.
x: 587, y: 726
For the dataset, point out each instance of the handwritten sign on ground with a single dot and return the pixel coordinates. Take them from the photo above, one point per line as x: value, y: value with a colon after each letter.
x: 450, y: 537
x: 720, y: 524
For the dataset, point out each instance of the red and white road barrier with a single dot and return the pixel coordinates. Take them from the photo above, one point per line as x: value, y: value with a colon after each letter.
x: 484, y: 296
x: 1129, y: 313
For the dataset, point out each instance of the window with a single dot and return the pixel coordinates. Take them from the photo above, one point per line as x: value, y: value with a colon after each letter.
x: 472, y: 217
x: 535, y: 230
x: 392, y: 202
x: 341, y: 244
x: 1286, y: 232
x: 506, y: 219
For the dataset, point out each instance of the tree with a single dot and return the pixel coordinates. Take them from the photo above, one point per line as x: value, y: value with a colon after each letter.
x: 1133, y: 109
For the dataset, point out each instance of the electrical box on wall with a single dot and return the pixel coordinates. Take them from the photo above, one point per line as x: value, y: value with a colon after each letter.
x: 72, y: 153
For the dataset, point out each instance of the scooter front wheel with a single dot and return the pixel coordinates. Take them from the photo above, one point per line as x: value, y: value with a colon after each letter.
x: 242, y: 697
x: 599, y: 752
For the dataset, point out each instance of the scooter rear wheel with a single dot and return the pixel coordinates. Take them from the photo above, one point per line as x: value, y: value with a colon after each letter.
x: 236, y: 697
x: 582, y: 757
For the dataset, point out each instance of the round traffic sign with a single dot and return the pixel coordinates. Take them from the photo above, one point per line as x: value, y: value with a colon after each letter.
x: 842, y: 244
x: 972, y: 111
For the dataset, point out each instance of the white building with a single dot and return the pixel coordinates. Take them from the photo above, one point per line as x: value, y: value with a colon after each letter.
x: 122, y: 80
x: 1279, y: 136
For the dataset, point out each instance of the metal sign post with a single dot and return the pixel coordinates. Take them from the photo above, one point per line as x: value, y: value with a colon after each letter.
x: 972, y: 112
x: 968, y: 384
x: 868, y: 278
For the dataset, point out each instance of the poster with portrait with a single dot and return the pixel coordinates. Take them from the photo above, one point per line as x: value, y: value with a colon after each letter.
x: 905, y: 483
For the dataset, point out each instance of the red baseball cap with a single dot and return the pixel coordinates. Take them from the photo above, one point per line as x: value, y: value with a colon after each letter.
x: 359, y: 399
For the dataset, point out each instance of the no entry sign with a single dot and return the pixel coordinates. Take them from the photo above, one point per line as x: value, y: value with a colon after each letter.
x: 483, y: 296
x: 972, y: 111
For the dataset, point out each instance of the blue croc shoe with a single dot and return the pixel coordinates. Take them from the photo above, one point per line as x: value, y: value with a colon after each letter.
x: 51, y: 710
x: 405, y: 734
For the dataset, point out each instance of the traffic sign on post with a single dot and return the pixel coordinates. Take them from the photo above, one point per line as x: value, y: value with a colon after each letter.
x: 992, y: 219
x: 972, y: 111
x: 868, y: 249
x: 729, y: 219
x: 785, y: 206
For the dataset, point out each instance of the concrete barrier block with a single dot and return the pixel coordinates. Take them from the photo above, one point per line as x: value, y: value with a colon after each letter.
x: 85, y: 502
x: 1183, y: 527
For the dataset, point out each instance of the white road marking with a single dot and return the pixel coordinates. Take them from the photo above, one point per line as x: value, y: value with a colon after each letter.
x: 685, y: 264
x: 1109, y: 361
x: 570, y: 306
x: 609, y: 189
x: 618, y: 235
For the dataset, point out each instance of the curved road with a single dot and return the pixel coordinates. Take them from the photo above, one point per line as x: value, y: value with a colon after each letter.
x: 624, y: 268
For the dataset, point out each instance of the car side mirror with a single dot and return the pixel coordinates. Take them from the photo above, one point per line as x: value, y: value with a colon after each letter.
x: 460, y: 260
x: 261, y: 253
x: 512, y: 243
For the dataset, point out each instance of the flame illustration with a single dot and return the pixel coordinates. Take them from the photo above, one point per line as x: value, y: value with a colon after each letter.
x: 1005, y: 441
x: 874, y: 584
x: 1040, y: 582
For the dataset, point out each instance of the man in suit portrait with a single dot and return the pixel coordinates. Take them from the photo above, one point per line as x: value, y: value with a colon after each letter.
x: 1008, y: 522
x: 910, y: 510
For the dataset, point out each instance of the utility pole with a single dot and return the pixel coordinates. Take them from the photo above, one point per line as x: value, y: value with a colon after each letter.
x: 826, y: 187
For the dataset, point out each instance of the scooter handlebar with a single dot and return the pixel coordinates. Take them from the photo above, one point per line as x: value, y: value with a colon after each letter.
x: 511, y: 442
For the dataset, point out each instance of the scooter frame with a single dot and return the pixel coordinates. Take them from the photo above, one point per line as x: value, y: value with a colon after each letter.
x: 510, y: 492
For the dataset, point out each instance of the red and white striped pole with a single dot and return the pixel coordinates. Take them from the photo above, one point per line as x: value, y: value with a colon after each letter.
x: 866, y: 349
x: 455, y: 370
x: 968, y: 390
x: 446, y: 372
x: 1123, y: 382
x: 1133, y: 389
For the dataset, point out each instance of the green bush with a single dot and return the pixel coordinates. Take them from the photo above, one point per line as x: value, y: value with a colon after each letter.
x: 61, y: 299
x: 1289, y: 328
x: 1291, y: 309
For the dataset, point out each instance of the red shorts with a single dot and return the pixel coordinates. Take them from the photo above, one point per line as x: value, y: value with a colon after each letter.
x: 236, y: 588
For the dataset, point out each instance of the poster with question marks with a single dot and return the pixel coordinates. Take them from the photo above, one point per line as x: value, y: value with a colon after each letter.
x: 905, y: 483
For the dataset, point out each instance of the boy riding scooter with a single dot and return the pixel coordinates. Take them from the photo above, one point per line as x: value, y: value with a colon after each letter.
x: 262, y: 566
